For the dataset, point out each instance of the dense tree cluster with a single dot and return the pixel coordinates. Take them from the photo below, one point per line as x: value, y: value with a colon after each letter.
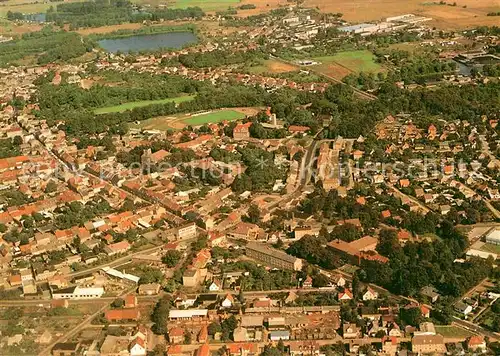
x: 261, y: 172
x: 219, y: 58
x: 417, y: 265
x: 10, y: 147
x: 113, y: 12
x: 47, y: 46
x: 76, y: 213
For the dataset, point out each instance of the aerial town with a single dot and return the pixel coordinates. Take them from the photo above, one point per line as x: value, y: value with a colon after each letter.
x: 246, y: 178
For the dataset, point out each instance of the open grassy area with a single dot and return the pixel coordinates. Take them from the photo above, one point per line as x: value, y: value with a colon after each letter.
x: 214, y: 5
x: 453, y: 331
x: 137, y: 104
x: 180, y: 121
x: 491, y: 248
x: 272, y: 66
x: 355, y: 61
x: 214, y: 117
x: 343, y: 63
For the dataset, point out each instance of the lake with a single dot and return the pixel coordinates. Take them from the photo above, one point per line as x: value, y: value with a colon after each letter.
x: 148, y: 42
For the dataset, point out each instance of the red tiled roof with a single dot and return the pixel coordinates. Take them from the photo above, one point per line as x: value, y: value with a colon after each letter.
x: 122, y: 314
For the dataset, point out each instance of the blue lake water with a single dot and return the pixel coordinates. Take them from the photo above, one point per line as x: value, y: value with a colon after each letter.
x: 148, y: 42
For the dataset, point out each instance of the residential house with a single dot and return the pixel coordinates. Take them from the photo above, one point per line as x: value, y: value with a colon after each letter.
x: 176, y: 335
x: 114, y: 315
x: 228, y: 301
x: 345, y: 295
x: 308, y: 282
x: 350, y: 331
x: 149, y: 289
x: 215, y: 286
x: 242, y: 131
x: 370, y: 294
x: 476, y: 343
x: 430, y: 293
x: 463, y: 308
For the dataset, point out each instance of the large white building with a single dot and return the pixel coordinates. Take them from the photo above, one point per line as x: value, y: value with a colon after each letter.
x: 77, y: 292
x: 493, y: 237
x: 187, y: 231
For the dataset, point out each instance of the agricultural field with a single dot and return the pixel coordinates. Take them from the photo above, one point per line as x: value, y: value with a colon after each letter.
x: 466, y: 13
x: 453, y: 331
x: 344, y: 63
x: 137, y: 104
x: 272, y: 66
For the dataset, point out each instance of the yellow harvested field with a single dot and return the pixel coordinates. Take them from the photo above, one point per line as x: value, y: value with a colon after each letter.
x: 467, y: 13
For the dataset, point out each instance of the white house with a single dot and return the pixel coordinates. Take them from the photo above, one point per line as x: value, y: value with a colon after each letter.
x: 138, y: 347
x: 345, y: 295
x: 338, y: 280
x: 215, y: 286
x: 463, y: 308
x: 228, y: 301
x: 370, y: 294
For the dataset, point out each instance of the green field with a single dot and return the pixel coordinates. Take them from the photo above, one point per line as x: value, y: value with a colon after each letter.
x: 214, y: 5
x: 180, y: 121
x: 490, y: 248
x: 453, y: 331
x: 214, y: 117
x: 355, y: 61
x: 138, y: 104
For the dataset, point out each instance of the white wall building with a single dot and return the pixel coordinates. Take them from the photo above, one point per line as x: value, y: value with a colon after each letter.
x: 78, y: 293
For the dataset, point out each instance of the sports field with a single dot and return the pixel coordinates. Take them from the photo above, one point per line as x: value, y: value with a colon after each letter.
x: 343, y: 63
x: 179, y: 122
x: 138, y: 104
x: 214, y: 117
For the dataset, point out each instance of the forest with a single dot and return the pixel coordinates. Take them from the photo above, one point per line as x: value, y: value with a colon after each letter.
x: 112, y: 12
x: 47, y: 46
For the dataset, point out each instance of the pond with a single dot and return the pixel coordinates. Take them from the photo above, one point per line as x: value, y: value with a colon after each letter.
x: 148, y: 42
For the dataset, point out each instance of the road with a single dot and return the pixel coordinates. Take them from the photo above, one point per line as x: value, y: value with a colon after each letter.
x: 422, y: 207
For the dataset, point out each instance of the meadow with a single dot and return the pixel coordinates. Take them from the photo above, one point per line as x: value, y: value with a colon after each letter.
x: 343, y: 63
x: 136, y: 104
x: 453, y: 331
x: 215, y: 5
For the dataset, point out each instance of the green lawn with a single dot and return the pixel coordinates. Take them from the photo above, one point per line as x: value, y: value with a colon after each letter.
x: 137, y: 104
x: 214, y: 117
x: 491, y: 248
x: 356, y: 61
x: 213, y: 5
x: 453, y: 331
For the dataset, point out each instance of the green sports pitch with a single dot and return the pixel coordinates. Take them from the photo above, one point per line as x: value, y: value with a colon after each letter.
x: 137, y: 104
x: 214, y: 117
